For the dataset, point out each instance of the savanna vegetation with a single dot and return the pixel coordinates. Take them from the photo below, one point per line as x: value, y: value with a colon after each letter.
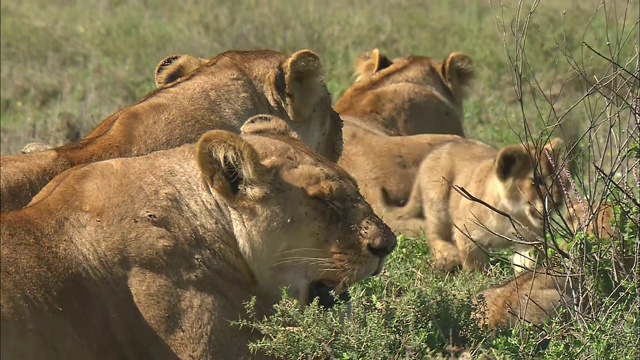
x: 543, y: 68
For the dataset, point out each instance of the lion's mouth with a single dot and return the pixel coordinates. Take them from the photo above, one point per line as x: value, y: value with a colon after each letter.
x: 325, y: 291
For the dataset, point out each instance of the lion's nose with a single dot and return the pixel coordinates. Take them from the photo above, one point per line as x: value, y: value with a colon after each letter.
x: 380, y: 239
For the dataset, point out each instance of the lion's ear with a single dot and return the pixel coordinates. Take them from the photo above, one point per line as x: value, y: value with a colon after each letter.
x: 555, y: 145
x: 267, y: 124
x: 35, y: 147
x: 303, y: 68
x: 457, y: 71
x: 370, y: 63
x: 173, y: 67
x: 552, y: 150
x: 229, y: 164
x: 304, y: 82
x: 306, y: 100
x: 510, y: 160
x: 551, y: 158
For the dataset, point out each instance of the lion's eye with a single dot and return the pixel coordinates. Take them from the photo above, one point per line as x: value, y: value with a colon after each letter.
x: 336, y: 210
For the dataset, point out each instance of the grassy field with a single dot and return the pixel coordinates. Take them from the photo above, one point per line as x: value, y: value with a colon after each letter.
x: 564, y: 67
x: 78, y: 62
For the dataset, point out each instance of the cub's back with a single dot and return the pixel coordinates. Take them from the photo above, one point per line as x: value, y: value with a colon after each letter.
x: 457, y: 160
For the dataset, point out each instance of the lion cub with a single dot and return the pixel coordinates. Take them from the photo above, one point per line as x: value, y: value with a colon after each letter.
x: 533, y: 297
x: 517, y: 180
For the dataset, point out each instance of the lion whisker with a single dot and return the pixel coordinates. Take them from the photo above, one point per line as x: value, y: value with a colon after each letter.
x: 302, y: 250
x: 302, y: 260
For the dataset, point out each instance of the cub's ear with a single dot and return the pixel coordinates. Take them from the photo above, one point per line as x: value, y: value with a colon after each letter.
x: 370, y: 63
x: 555, y: 145
x: 551, y: 152
x: 267, y: 124
x: 510, y: 160
x: 173, y: 67
x: 552, y: 161
x: 457, y: 71
x: 230, y: 165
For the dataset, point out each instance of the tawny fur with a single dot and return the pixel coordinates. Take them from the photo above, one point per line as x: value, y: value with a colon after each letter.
x: 599, y: 221
x: 151, y: 257
x: 409, y: 95
x: 532, y: 297
x: 220, y: 93
x: 504, y: 179
x: 391, y: 100
x: 386, y: 167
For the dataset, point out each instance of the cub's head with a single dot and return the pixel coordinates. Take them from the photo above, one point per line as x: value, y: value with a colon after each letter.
x: 290, y: 87
x: 529, y: 182
x: 418, y: 91
x: 299, y: 219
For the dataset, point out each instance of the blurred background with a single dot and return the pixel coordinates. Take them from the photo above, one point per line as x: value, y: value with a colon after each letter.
x: 67, y: 65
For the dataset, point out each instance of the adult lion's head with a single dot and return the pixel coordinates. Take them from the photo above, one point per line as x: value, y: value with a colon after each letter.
x: 161, y: 251
x: 409, y: 95
x: 194, y: 96
x: 327, y: 235
x: 294, y: 86
x: 412, y: 95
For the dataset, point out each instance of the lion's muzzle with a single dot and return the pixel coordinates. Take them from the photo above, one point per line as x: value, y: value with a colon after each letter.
x: 378, y: 237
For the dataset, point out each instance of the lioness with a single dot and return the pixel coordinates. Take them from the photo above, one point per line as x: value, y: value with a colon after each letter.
x: 150, y: 257
x: 533, y: 297
x: 409, y: 95
x: 216, y: 94
x: 406, y: 96
x: 517, y: 180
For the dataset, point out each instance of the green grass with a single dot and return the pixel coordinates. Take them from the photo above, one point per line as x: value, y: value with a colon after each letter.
x: 411, y: 311
x: 80, y: 61
x: 91, y: 58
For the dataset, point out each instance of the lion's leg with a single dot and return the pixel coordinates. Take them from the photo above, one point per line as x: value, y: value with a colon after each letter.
x: 472, y: 256
x: 439, y: 230
x: 444, y: 252
x: 405, y: 220
x: 412, y: 227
